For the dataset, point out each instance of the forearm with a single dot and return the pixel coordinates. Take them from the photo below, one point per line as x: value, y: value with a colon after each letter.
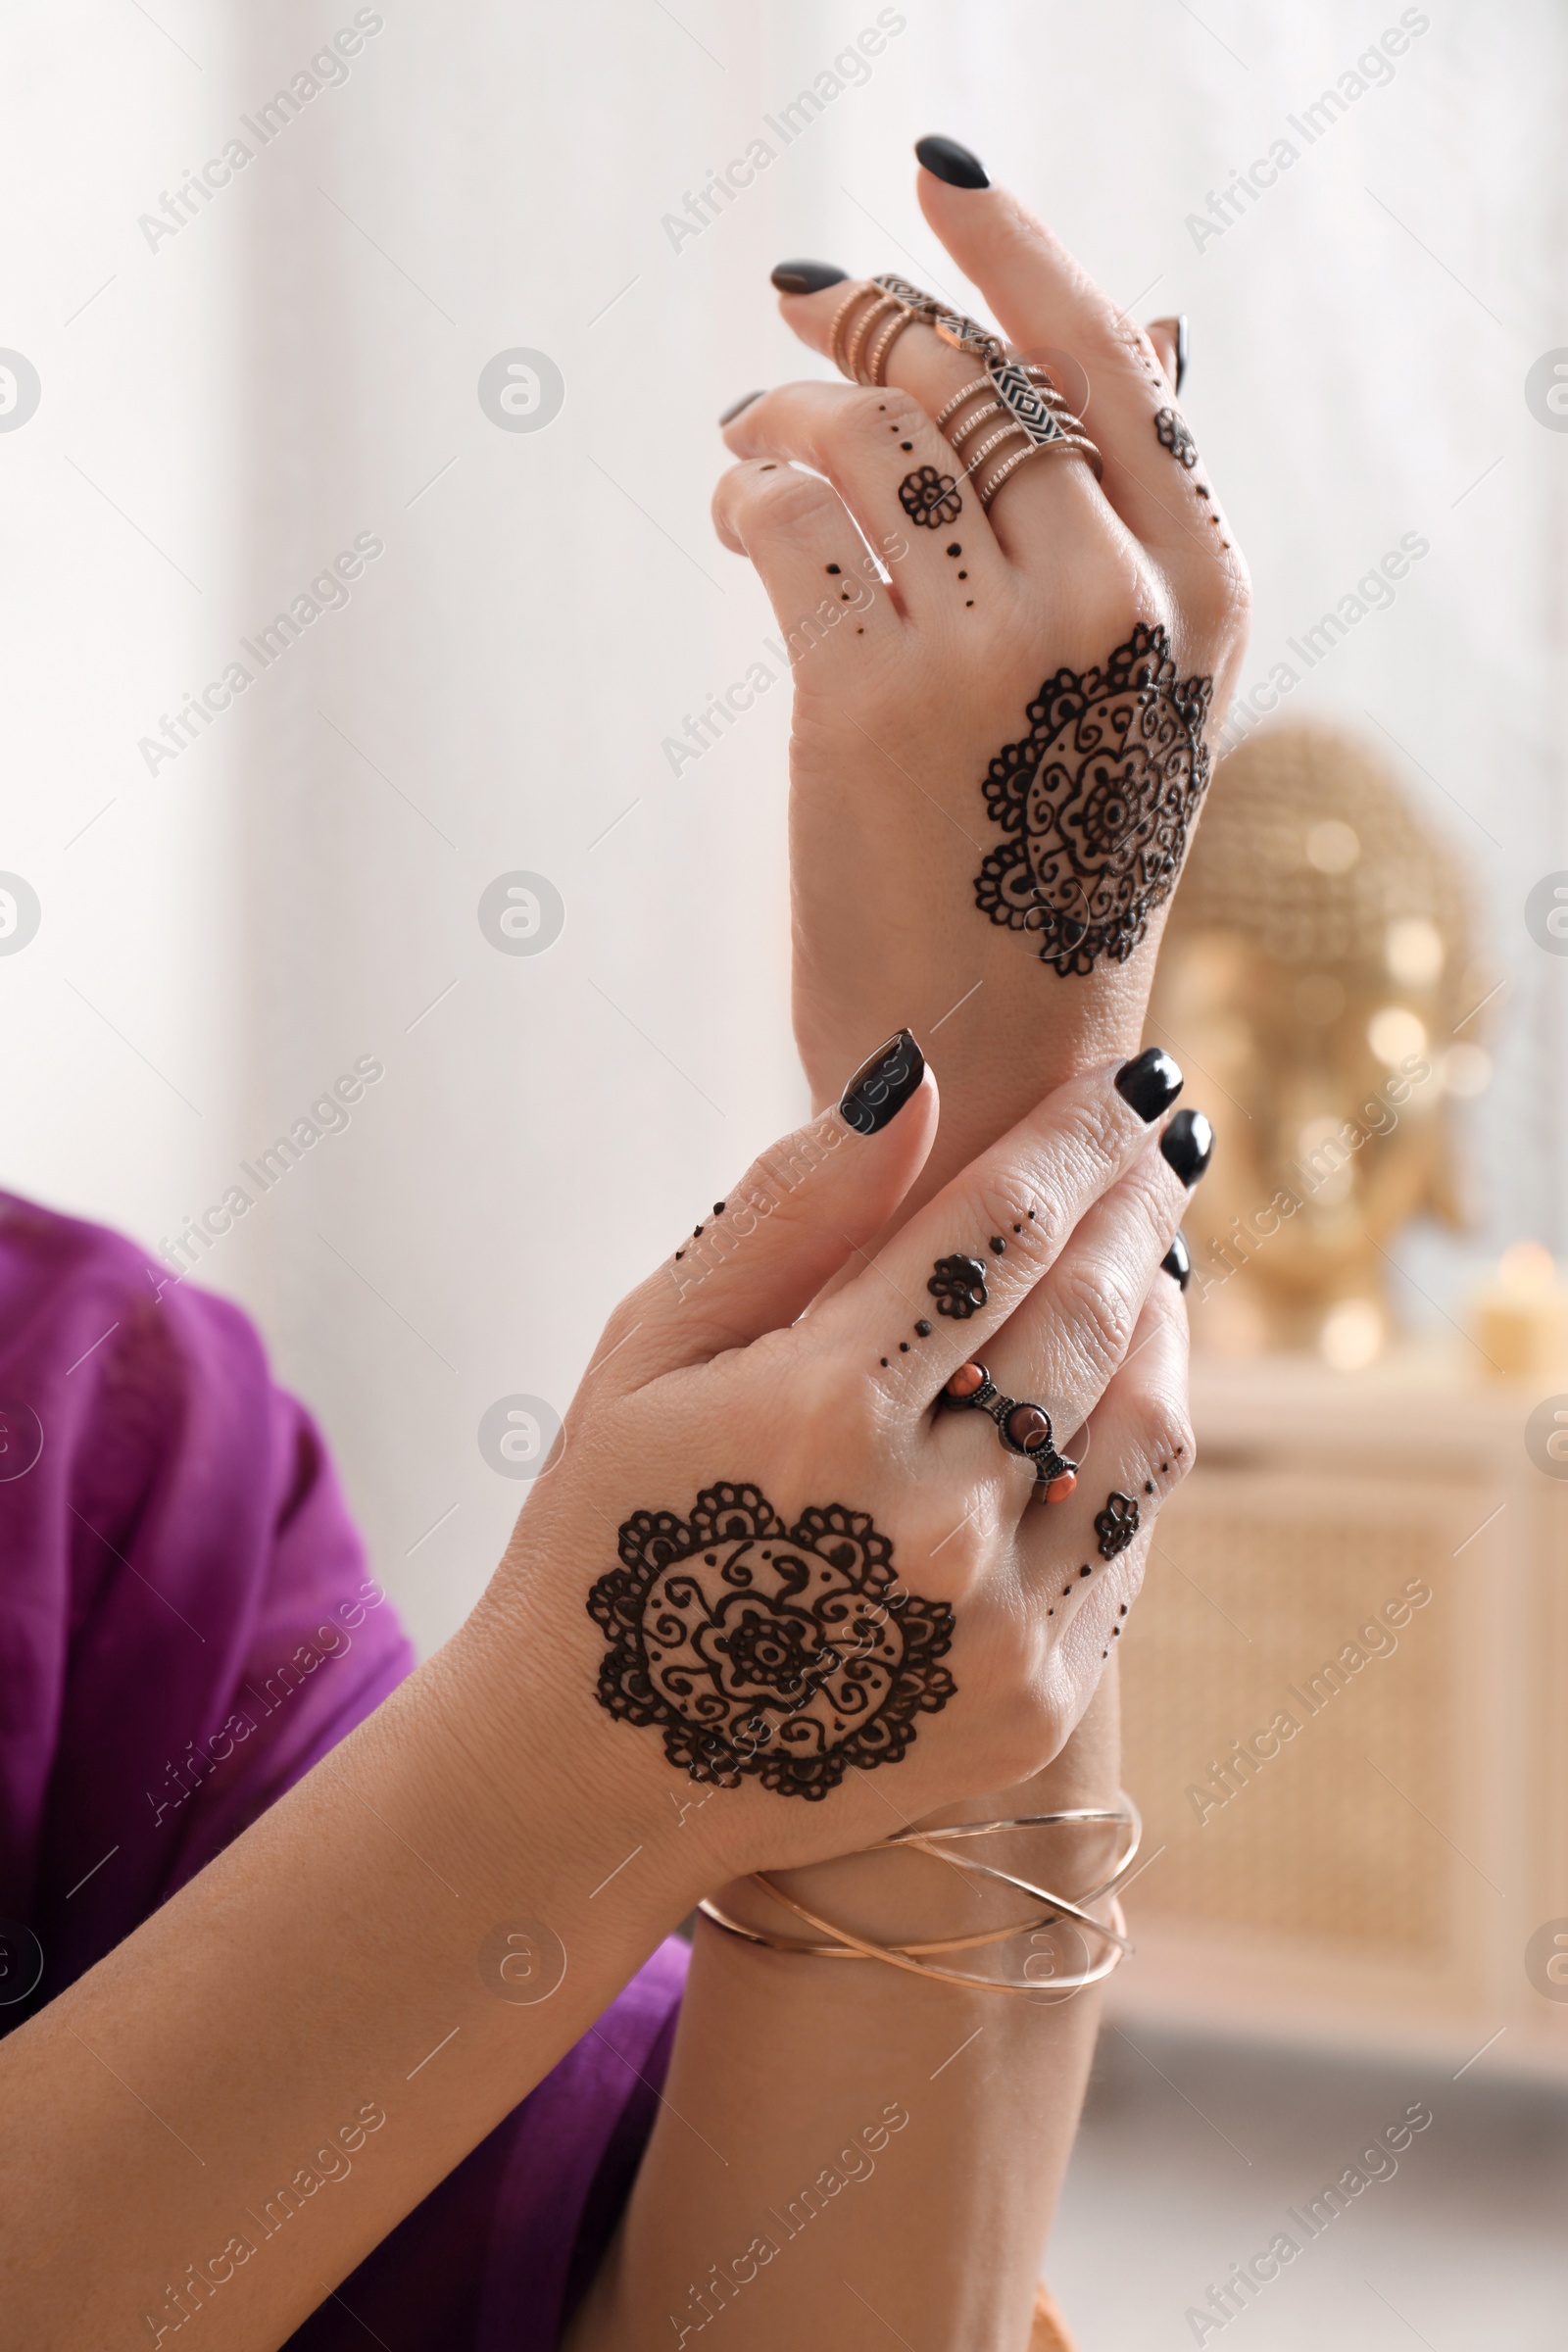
x: 222, y: 2072
x: 838, y: 2135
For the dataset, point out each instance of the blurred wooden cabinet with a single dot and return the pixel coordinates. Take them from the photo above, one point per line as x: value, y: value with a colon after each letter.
x: 1358, y: 1796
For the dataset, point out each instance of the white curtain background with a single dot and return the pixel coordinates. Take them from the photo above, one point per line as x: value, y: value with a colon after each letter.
x: 228, y: 407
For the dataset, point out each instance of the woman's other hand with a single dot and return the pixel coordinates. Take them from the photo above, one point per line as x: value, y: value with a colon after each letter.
x: 997, y: 752
x: 769, y: 1567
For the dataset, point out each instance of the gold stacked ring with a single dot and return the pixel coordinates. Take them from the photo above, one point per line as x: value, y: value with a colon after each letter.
x: 891, y: 304
x: 874, y: 313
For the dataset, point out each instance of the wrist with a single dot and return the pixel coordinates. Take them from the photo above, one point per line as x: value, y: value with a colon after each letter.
x: 893, y: 1896
x: 1008, y: 1032
x: 548, y: 1775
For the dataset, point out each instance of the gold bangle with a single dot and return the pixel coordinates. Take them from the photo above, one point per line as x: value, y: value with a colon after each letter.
x: 911, y: 1956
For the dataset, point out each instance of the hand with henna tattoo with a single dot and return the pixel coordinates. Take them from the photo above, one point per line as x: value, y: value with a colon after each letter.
x: 1000, y: 753
x: 768, y: 1563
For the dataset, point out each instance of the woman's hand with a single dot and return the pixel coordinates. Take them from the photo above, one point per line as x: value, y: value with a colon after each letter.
x: 997, y: 648
x: 786, y: 1576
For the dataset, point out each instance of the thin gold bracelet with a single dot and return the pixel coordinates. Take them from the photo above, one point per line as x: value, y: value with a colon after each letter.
x: 908, y: 1955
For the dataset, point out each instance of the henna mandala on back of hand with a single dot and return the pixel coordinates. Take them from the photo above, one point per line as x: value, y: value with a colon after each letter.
x: 929, y: 498
x: 1095, y: 802
x: 785, y: 1652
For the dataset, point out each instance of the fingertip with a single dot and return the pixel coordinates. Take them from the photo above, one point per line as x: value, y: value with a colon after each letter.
x: 736, y: 406
x: 718, y: 511
x: 805, y: 277
x: 945, y: 160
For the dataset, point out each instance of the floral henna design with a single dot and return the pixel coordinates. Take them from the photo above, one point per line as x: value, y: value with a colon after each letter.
x: 1096, y: 801
x: 929, y: 498
x: 1116, y: 1525
x: 958, y: 1287
x: 787, y: 1652
x: 1174, y: 436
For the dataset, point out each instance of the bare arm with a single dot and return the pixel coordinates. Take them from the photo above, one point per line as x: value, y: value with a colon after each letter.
x: 841, y: 2140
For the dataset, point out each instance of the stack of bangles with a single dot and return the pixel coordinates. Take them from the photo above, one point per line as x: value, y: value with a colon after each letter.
x: 1021, y: 403
x: 927, y: 1959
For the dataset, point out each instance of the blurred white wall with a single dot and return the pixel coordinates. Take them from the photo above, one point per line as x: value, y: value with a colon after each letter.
x: 228, y: 407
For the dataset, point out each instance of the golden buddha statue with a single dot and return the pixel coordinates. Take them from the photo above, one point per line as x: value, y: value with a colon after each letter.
x: 1318, y: 983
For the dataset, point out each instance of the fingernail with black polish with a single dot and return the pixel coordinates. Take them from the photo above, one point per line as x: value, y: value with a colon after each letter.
x: 881, y: 1087
x: 1151, y: 1082
x: 1181, y: 350
x: 807, y: 277
x: 1177, y: 1263
x: 745, y: 401
x: 945, y: 160
x: 1188, y: 1144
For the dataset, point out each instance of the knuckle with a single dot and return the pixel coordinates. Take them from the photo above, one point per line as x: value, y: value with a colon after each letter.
x: 862, y: 420
x: 955, y: 1537
x: 1168, y: 1441
x: 1085, y: 1136
x: 1023, y: 1219
x: 787, y: 500
x: 1098, y: 1314
x: 1219, y: 602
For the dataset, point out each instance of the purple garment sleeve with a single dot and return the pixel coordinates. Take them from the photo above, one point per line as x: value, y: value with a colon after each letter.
x: 188, y: 1625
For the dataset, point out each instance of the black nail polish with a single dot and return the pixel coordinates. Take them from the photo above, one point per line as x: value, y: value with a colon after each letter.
x: 1188, y: 1144
x: 1177, y: 1262
x: 745, y: 401
x: 1151, y: 1082
x: 881, y: 1087
x: 807, y: 277
x: 945, y: 160
x: 1181, y: 349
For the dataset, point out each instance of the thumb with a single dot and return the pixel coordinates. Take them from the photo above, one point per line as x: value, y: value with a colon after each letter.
x: 803, y: 1208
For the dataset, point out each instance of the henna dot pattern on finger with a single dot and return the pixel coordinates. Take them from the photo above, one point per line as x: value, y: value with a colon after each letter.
x: 1116, y: 1525
x: 929, y: 498
x: 788, y: 1653
x: 1174, y: 436
x: 958, y: 1287
x: 1095, y: 802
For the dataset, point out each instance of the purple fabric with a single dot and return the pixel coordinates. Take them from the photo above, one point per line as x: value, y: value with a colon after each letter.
x: 187, y: 1623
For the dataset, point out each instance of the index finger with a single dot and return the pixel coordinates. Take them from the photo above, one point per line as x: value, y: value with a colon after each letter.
x: 953, y: 1276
